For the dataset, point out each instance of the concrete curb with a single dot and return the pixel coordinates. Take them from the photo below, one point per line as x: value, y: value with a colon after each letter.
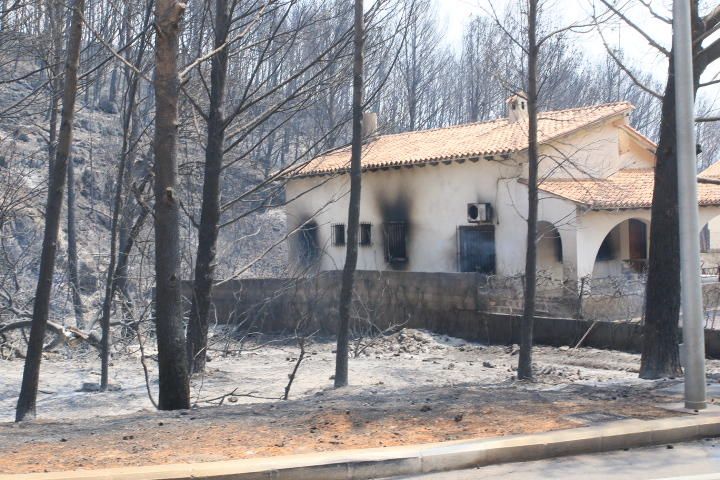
x: 417, y: 459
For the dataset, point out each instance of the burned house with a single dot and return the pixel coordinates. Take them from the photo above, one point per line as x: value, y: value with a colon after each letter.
x: 455, y: 199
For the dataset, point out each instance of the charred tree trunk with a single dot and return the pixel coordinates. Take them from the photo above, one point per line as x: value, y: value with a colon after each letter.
x: 172, y: 359
x: 55, y: 82
x: 72, y: 262
x: 112, y: 90
x: 53, y: 211
x: 72, y: 248
x: 126, y: 248
x: 526, y: 331
x: 125, y: 228
x: 210, y: 210
x: 660, y: 354
x: 351, y: 253
x: 128, y: 211
x: 120, y: 181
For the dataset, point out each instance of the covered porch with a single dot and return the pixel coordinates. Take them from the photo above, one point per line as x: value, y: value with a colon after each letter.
x: 608, y: 236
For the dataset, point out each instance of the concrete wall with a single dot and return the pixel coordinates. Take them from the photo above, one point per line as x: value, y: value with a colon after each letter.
x: 462, y: 305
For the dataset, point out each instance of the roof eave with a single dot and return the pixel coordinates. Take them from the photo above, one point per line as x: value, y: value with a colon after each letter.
x: 628, y: 108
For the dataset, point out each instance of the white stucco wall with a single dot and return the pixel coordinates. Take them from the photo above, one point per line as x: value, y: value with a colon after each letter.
x: 598, y: 151
x: 436, y: 198
x: 432, y: 199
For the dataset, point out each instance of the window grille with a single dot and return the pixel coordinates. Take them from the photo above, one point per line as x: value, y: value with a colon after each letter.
x: 338, y: 234
x: 395, y: 242
x: 365, y: 234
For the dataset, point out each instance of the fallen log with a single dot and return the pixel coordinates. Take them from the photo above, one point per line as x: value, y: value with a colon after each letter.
x: 61, y: 335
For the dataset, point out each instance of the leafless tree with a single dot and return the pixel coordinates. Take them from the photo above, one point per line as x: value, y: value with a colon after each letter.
x: 351, y: 252
x: 172, y: 360
x: 31, y: 374
x: 120, y: 183
x: 660, y: 356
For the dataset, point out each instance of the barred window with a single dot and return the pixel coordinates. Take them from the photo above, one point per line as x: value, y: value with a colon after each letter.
x: 395, y: 242
x: 365, y: 234
x: 338, y: 234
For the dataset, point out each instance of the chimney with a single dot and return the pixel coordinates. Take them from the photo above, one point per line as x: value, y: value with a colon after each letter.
x: 517, y: 107
x: 370, y: 124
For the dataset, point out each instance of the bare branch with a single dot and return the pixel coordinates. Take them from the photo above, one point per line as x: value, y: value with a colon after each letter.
x: 637, y: 28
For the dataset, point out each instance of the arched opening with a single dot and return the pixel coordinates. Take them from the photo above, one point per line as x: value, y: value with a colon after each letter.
x: 710, y: 248
x: 710, y: 236
x: 549, y: 251
x: 623, y: 251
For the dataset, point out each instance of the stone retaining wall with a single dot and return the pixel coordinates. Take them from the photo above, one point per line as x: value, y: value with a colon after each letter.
x: 457, y: 304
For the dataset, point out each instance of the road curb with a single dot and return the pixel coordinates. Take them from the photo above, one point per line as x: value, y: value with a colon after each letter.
x: 416, y: 459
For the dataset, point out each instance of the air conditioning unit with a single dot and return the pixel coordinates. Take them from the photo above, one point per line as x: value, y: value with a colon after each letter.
x: 479, y: 212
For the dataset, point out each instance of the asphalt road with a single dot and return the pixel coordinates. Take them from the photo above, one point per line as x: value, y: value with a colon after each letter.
x: 695, y: 460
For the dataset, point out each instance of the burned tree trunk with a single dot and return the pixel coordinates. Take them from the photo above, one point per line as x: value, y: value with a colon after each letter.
x: 351, y: 254
x: 56, y: 21
x: 129, y: 211
x: 120, y: 182
x: 41, y: 306
x: 172, y: 359
x: 72, y: 248
x: 526, y: 331
x: 660, y: 355
x: 71, y: 224
x: 210, y: 210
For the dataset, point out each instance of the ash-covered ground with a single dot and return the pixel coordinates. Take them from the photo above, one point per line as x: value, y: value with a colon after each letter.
x: 409, y: 387
x: 257, y: 371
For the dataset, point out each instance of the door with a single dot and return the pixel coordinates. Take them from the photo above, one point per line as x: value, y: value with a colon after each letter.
x: 477, y: 249
x: 638, y: 240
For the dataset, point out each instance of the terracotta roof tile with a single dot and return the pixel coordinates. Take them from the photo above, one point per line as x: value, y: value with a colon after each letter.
x: 712, y: 172
x: 496, y: 137
x: 630, y: 188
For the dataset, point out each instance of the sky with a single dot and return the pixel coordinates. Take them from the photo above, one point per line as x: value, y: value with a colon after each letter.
x: 455, y: 14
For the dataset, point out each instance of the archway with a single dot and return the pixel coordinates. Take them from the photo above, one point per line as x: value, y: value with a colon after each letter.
x: 710, y: 246
x: 624, y: 250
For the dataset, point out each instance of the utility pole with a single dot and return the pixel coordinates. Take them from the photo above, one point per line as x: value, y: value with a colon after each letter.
x: 692, y: 304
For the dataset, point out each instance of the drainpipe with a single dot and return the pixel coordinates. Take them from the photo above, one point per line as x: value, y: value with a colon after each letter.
x: 692, y: 303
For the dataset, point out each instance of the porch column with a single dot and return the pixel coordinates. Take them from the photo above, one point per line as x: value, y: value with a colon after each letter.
x: 570, y: 260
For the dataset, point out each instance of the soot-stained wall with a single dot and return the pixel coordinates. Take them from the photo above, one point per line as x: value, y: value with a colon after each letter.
x: 430, y: 201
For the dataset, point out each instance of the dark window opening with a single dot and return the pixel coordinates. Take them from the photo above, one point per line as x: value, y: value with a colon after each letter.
x: 607, y: 251
x: 338, y: 234
x: 638, y: 240
x: 396, y: 242
x: 365, y: 234
x: 558, y: 247
x: 705, y: 239
x: 308, y: 243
